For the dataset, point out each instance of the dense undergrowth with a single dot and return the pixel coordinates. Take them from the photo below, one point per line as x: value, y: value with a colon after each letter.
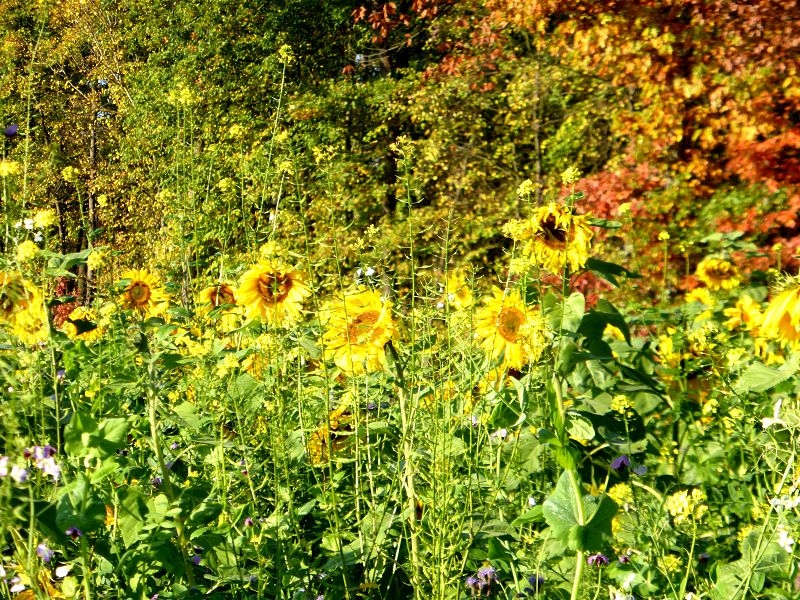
x: 290, y: 431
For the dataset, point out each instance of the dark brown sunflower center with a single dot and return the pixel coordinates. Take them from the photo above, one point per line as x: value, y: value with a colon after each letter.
x: 12, y: 298
x: 222, y: 295
x: 139, y: 293
x: 274, y: 288
x: 362, y: 330
x: 720, y: 272
x: 553, y: 234
x: 508, y: 323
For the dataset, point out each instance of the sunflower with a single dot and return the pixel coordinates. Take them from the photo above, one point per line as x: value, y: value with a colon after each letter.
x: 220, y: 295
x: 330, y: 437
x: 273, y: 291
x: 217, y: 295
x: 746, y: 314
x: 143, y: 293
x: 358, y: 327
x: 554, y: 238
x: 457, y: 292
x: 782, y: 317
x: 510, y: 331
x: 718, y: 274
x: 16, y: 295
x: 30, y: 325
x: 82, y: 324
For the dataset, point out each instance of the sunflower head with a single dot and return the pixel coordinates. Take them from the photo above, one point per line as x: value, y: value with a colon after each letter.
x: 217, y: 295
x: 554, y: 237
x: 273, y: 291
x: 509, y: 331
x: 16, y: 295
x: 781, y: 319
x: 718, y: 274
x: 357, y: 330
x: 143, y: 293
x: 82, y: 324
x: 457, y: 292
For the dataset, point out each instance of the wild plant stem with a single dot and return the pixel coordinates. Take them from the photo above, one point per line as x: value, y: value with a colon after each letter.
x: 155, y: 438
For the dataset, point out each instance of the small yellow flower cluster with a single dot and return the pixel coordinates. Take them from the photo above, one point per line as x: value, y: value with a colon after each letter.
x: 670, y: 563
x: 9, y: 167
x: 622, y: 494
x: 27, y: 250
x: 42, y: 219
x: 181, y: 96
x: 96, y: 259
x: 622, y: 405
x: 570, y: 176
x: 70, y: 174
x: 685, y: 505
x: 702, y: 340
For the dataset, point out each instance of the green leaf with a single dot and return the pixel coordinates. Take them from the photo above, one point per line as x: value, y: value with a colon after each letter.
x: 609, y: 271
x: 579, y: 427
x: 758, y: 377
x: 595, y: 321
x: 562, y: 512
x: 79, y: 506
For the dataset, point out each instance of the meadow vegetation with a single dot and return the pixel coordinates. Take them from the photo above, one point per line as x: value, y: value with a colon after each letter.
x: 462, y: 314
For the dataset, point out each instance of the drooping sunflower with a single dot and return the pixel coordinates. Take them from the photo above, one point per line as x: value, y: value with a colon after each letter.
x: 358, y: 327
x: 718, y: 274
x: 143, y: 293
x: 781, y: 319
x: 82, y: 324
x: 509, y: 331
x: 273, y: 291
x: 215, y: 296
x: 554, y: 238
x: 330, y: 437
x: 16, y: 295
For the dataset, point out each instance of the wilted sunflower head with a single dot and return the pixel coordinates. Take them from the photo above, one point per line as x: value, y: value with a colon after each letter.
x: 15, y: 295
x: 559, y: 239
x: 273, y: 291
x: 82, y: 324
x: 718, y: 274
x: 143, y: 293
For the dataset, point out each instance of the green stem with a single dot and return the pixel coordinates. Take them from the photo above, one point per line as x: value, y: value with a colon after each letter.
x: 408, y: 469
x: 581, y: 518
x: 87, y: 588
x: 152, y: 401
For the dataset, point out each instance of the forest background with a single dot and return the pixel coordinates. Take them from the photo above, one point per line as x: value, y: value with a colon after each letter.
x: 195, y: 123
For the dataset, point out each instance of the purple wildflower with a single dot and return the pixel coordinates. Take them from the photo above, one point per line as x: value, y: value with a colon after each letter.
x: 11, y: 130
x: 248, y: 522
x: 74, y: 532
x: 19, y: 474
x: 597, y: 560
x: 45, y: 553
x: 620, y: 462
